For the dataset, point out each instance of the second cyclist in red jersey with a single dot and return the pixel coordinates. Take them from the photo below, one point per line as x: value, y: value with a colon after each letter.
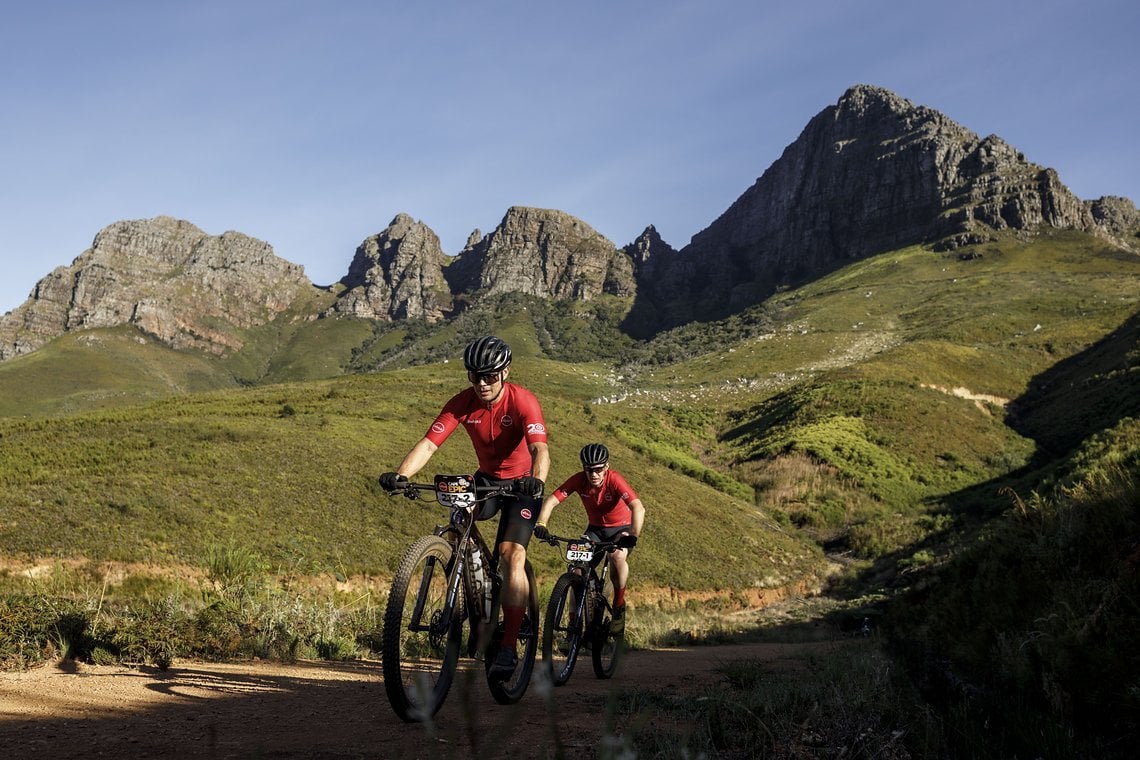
x: 614, y: 511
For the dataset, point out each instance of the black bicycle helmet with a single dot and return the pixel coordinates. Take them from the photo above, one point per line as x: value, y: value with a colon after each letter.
x: 594, y: 455
x: 487, y: 354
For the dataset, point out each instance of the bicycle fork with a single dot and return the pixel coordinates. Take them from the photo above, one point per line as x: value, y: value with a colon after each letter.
x: 453, y: 584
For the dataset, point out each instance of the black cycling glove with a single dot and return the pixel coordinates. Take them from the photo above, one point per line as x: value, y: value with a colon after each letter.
x: 627, y: 542
x: 392, y: 481
x: 541, y: 532
x: 528, y: 485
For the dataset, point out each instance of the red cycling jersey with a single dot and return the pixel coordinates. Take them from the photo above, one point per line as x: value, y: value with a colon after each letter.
x: 608, y: 504
x: 500, y: 433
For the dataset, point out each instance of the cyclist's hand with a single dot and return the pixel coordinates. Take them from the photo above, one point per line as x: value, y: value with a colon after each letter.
x: 528, y: 485
x: 627, y: 542
x: 392, y: 481
x: 541, y: 532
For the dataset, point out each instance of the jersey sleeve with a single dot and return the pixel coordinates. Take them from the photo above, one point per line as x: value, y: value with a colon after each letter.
x: 627, y: 494
x: 563, y: 491
x: 444, y: 424
x: 573, y: 484
x: 531, y: 412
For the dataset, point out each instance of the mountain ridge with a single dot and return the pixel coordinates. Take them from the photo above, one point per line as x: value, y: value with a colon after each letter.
x: 871, y: 173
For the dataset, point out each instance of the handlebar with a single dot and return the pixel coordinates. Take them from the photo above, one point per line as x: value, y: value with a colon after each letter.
x: 454, y: 489
x: 603, y: 546
x: 412, y: 490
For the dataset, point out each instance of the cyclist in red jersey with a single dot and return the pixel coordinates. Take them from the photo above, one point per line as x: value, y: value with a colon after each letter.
x: 614, y: 511
x: 507, y: 429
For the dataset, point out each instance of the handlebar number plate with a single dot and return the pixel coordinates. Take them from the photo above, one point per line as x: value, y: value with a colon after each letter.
x: 455, y: 490
x: 579, y: 552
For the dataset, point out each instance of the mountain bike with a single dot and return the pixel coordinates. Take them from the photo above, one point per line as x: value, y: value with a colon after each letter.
x: 580, y: 612
x: 445, y: 579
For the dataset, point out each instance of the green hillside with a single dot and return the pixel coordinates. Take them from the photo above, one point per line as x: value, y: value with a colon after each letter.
x: 102, y: 369
x: 845, y: 413
x: 289, y: 471
x: 958, y: 430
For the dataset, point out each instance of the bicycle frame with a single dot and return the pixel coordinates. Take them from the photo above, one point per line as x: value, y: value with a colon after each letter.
x: 595, y: 579
x: 462, y: 532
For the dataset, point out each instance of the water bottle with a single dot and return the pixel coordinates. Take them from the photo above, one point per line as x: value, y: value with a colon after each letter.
x: 482, y: 583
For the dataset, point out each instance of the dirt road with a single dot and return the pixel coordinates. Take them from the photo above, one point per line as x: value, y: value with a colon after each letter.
x: 323, y: 710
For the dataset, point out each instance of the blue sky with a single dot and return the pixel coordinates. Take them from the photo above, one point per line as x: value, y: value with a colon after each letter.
x: 310, y: 125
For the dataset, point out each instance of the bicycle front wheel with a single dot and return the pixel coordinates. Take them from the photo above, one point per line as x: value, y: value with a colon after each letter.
x: 421, y: 631
x: 561, y: 629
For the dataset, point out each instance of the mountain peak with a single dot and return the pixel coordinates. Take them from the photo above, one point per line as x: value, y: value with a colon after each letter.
x: 871, y: 173
x: 165, y: 276
x: 396, y: 274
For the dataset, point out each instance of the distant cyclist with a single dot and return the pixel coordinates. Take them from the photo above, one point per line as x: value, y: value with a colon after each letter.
x: 508, y: 432
x: 614, y: 511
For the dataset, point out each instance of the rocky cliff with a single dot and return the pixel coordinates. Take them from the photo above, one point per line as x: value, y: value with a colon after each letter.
x: 397, y: 274
x: 403, y: 273
x: 871, y: 173
x: 545, y: 253
x: 166, y: 276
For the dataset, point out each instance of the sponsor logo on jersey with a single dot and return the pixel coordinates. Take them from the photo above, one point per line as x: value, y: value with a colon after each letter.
x: 526, y: 513
x: 536, y: 427
x: 470, y: 421
x: 437, y: 427
x: 507, y: 421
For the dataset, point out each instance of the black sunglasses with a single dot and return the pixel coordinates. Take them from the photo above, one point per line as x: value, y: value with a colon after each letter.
x: 487, y: 378
x: 599, y: 468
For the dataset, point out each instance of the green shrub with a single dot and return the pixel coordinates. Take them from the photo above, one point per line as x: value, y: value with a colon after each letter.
x: 152, y: 633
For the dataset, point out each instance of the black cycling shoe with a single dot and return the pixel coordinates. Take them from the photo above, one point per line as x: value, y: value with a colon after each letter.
x: 617, y: 624
x: 504, y: 664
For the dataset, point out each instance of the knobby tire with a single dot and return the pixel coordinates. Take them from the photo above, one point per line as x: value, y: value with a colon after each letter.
x: 558, y: 633
x: 419, y: 665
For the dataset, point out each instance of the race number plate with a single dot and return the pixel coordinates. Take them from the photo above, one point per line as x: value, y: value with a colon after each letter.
x: 455, y: 490
x: 579, y: 552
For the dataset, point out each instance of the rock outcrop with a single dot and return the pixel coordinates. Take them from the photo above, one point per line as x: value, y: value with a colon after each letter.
x: 172, y: 280
x: 1119, y: 218
x: 544, y: 253
x: 397, y: 274
x: 872, y: 173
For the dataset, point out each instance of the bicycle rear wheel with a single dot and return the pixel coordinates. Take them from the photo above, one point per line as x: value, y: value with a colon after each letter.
x: 511, y: 690
x: 607, y: 644
x: 421, y: 631
x: 561, y: 629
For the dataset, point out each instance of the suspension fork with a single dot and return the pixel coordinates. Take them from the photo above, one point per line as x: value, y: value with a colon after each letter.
x: 603, y: 603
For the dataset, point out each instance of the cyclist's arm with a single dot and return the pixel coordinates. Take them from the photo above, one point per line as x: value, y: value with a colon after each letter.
x: 417, y: 458
x: 539, y: 459
x: 638, y: 510
x: 556, y: 497
x: 548, y: 506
